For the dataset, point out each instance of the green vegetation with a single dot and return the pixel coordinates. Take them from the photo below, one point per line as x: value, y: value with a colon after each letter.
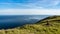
x: 49, y: 25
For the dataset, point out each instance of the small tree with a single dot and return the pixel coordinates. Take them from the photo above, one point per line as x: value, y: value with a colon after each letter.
x: 47, y: 22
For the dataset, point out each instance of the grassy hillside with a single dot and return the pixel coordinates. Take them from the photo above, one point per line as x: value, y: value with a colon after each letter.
x: 49, y: 25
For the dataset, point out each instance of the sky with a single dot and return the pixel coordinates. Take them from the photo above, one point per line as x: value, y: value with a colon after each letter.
x: 29, y: 7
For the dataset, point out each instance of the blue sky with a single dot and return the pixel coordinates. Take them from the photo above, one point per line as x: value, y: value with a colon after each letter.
x: 29, y: 6
x: 46, y: 4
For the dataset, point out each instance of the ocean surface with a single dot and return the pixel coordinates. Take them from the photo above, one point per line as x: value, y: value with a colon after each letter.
x: 11, y: 21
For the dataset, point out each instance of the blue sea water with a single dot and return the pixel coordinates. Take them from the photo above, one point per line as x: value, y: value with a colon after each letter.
x: 11, y: 21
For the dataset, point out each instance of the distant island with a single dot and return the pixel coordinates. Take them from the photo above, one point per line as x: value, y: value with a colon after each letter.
x: 48, y: 25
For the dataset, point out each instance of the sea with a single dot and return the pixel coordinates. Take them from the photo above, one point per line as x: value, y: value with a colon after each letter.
x: 12, y: 21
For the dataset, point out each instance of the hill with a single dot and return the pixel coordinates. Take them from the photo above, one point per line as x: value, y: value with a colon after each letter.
x: 49, y: 25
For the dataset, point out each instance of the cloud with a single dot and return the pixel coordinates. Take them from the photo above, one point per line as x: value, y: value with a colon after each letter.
x: 30, y: 12
x: 48, y: 3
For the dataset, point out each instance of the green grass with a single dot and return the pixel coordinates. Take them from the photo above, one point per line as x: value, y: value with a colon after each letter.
x: 34, y: 29
x: 38, y: 28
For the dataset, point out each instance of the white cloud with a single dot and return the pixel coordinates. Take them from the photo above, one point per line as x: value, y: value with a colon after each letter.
x: 30, y: 12
x: 54, y: 2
